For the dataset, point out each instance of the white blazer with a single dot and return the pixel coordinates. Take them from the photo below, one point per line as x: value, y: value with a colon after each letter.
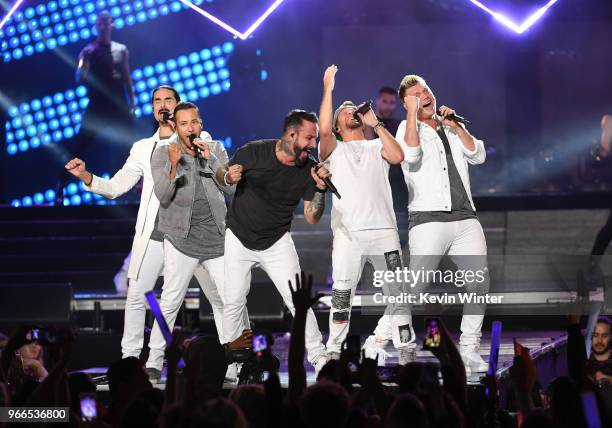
x: 137, y: 165
x: 425, y: 169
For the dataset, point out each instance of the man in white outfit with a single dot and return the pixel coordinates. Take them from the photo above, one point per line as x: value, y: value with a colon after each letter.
x: 147, y: 256
x: 363, y: 220
x: 442, y: 216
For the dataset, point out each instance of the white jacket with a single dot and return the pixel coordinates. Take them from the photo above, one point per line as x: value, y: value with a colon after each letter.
x: 425, y: 169
x: 137, y: 165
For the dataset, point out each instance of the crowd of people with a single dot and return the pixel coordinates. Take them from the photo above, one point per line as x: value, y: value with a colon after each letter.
x: 344, y: 395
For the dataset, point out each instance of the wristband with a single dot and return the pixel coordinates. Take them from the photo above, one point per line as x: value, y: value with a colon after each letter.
x: 378, y: 124
x: 225, y: 179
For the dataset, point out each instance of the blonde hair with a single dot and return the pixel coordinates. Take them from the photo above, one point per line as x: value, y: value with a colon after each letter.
x: 409, y: 81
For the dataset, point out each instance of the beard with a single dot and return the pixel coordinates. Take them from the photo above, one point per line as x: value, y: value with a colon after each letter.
x: 354, y: 124
x: 299, y: 161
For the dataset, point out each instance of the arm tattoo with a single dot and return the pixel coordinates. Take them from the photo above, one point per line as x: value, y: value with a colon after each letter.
x: 317, y: 206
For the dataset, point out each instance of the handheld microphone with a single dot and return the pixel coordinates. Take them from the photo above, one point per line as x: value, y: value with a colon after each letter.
x: 197, y: 149
x: 326, y: 180
x: 455, y: 118
x: 165, y: 115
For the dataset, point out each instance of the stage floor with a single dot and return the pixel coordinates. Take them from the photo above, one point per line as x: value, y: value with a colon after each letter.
x: 540, y: 344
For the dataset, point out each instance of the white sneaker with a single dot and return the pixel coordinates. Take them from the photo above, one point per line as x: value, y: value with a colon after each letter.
x: 472, y: 360
x: 319, y: 363
x: 406, y: 355
x: 231, y: 375
x: 374, y: 349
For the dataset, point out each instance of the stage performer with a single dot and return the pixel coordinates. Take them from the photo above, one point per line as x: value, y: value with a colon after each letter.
x: 442, y: 215
x: 272, y: 176
x: 362, y: 220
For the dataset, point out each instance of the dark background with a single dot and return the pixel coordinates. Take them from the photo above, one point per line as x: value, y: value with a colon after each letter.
x: 536, y: 99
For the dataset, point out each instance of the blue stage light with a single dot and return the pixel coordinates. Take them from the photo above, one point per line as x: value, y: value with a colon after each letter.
x: 50, y: 195
x: 192, y: 95
x: 216, y: 50
x: 72, y: 188
x: 228, y: 47
x: 215, y: 88
x: 189, y: 84
x: 200, y: 80
x: 152, y: 82
x: 223, y: 74
x: 179, y: 87
x: 61, y: 110
x: 54, y: 124
x: 57, y: 136
x: 51, y: 43
x: 226, y: 85
x: 87, y: 197
x: 15, y: 203
x: 17, y: 53
x: 83, y: 103
x: 35, y: 142
x: 50, y: 113
x: 204, y: 92
x: 75, y: 200
x: 39, y: 198
x: 42, y: 127
x: 186, y: 73
x: 209, y: 66
x: 26, y: 201
x: 171, y: 64
x: 23, y: 146
x: 65, y: 121
x: 175, y: 76
x: 28, y: 50
x: 10, y: 137
x: 11, y: 149
x: 212, y: 77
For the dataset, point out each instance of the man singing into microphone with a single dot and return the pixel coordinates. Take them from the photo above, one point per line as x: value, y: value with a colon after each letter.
x: 272, y: 177
x: 363, y: 221
x: 442, y: 216
x: 191, y: 219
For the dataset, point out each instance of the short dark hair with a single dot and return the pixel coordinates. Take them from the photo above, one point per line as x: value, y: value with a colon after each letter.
x: 604, y: 320
x: 387, y: 90
x: 177, y: 97
x: 295, y: 118
x: 185, y: 105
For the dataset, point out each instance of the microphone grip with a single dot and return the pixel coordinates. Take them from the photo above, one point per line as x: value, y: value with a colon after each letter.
x: 331, y: 187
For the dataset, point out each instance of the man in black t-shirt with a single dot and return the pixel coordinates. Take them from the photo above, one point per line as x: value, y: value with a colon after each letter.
x: 272, y: 177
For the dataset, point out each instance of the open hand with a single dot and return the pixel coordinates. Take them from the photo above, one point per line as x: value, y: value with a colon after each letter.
x: 301, y: 295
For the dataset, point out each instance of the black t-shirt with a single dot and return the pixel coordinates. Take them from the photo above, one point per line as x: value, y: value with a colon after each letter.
x: 262, y: 208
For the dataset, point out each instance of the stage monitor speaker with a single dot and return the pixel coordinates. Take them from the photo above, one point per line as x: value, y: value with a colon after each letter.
x: 38, y: 304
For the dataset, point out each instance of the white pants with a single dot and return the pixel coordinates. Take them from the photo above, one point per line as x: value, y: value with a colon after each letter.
x: 178, y: 270
x: 281, y: 263
x: 136, y: 304
x: 464, y: 242
x: 350, y: 252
